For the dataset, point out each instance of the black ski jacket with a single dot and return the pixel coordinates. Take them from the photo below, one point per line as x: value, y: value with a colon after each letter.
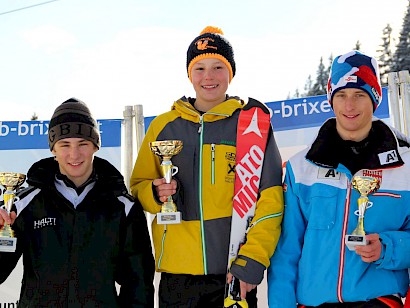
x: 75, y: 247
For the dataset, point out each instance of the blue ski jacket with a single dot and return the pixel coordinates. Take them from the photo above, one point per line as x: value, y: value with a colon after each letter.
x: 312, y: 265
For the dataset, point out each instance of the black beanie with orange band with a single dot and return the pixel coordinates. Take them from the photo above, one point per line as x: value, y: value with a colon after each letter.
x: 211, y: 44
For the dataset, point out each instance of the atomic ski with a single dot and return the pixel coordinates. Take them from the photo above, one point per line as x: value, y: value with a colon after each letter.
x: 252, y: 135
x: 407, y: 302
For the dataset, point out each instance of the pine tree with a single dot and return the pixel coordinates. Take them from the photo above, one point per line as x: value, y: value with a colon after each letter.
x: 357, y: 46
x: 34, y: 117
x: 308, y: 85
x: 385, y: 57
x: 402, y: 55
x: 322, y: 76
x: 318, y: 87
x: 297, y: 94
x: 329, y: 68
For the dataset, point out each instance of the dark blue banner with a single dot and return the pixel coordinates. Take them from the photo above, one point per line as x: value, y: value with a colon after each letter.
x: 17, y: 135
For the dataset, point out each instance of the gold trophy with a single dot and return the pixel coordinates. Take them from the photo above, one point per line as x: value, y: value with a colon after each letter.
x: 365, y: 185
x: 11, y: 181
x: 165, y: 150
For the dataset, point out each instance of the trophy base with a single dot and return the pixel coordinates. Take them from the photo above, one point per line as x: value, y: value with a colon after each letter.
x: 169, y: 218
x: 352, y: 241
x: 8, y: 244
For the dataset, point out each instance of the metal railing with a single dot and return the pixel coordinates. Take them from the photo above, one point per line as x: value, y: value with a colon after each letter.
x: 399, y: 100
x: 133, y: 118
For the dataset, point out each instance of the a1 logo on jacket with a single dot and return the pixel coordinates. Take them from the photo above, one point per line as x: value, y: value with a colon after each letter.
x: 328, y: 174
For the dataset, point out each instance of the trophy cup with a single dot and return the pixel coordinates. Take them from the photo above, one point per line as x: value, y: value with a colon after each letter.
x: 11, y: 181
x: 165, y: 150
x: 365, y: 185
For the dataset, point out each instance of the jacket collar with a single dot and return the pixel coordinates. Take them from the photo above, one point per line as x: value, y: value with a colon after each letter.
x: 43, y: 173
x: 221, y: 111
x: 385, y: 147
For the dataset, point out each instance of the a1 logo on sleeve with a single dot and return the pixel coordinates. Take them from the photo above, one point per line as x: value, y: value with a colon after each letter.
x: 328, y: 174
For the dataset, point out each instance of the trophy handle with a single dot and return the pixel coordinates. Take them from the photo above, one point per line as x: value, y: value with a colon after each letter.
x: 362, y: 204
x: 8, y: 198
x: 174, y: 170
x: 168, y: 171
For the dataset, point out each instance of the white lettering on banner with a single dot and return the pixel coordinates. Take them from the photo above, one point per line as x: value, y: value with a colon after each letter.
x: 304, y: 108
x: 23, y: 129
x: 245, y: 170
x: 4, y: 130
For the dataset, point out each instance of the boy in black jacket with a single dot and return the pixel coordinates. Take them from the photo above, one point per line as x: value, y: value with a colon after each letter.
x: 78, y: 229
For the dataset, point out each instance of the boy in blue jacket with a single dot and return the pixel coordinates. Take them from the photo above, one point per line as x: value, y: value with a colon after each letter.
x: 312, y: 265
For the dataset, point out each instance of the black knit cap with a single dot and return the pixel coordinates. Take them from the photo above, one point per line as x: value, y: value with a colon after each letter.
x: 73, y: 119
x: 211, y: 44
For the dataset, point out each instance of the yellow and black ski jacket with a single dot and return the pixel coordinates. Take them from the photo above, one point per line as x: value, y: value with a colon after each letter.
x: 199, y: 245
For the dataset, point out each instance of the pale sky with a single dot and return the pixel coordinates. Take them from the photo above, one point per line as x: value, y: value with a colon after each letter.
x: 114, y: 53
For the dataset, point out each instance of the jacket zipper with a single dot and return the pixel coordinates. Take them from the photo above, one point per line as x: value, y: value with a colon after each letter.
x: 201, y: 210
x: 342, y: 244
x: 162, y: 246
x: 262, y: 219
x: 213, y: 163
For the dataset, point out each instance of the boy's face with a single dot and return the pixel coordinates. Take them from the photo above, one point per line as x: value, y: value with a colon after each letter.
x: 75, y: 158
x: 354, y: 111
x: 210, y: 78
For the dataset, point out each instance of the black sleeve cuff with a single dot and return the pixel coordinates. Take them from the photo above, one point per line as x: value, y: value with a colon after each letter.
x: 247, y: 270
